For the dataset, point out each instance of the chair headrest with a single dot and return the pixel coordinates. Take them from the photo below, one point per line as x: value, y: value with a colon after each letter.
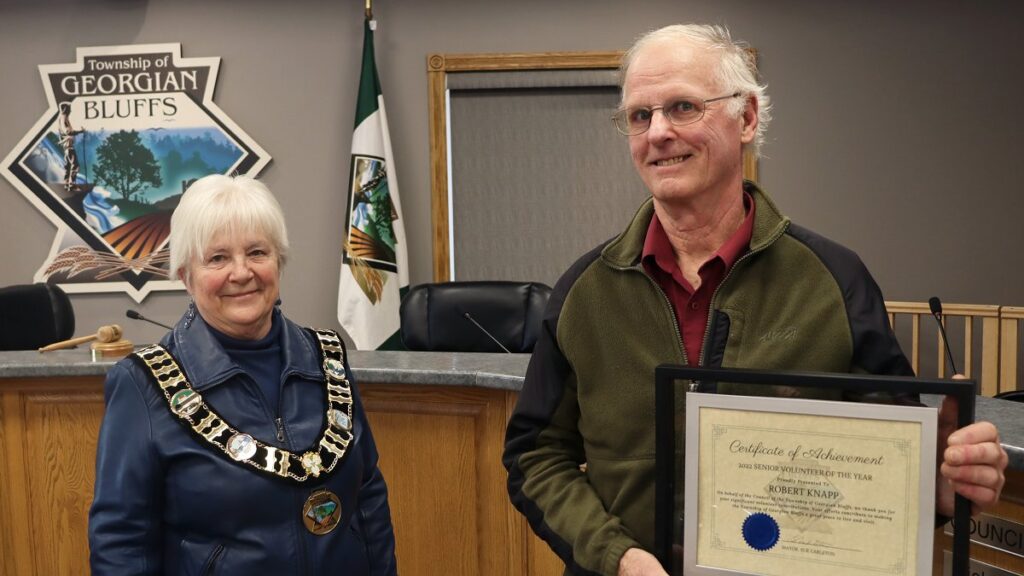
x: 1011, y: 395
x: 34, y: 315
x: 434, y: 316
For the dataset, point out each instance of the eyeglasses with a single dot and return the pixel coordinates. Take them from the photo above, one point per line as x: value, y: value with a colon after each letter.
x: 680, y: 112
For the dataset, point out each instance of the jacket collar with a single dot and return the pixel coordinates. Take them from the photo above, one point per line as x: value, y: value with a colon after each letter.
x: 207, y: 364
x: 626, y: 249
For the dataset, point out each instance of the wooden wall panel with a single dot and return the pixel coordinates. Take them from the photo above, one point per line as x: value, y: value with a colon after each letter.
x: 62, y: 429
x: 15, y: 496
x: 432, y: 492
x: 539, y: 559
x: 542, y: 561
x: 47, y: 463
x: 6, y: 547
x: 441, y: 455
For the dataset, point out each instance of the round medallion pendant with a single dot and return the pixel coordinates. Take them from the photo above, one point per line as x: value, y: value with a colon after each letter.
x: 241, y: 446
x: 334, y: 368
x: 186, y: 402
x: 321, y: 512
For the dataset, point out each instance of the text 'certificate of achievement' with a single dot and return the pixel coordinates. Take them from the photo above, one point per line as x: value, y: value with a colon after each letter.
x: 780, y: 486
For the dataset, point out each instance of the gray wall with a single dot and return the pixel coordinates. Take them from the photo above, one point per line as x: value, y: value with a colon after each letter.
x: 894, y: 130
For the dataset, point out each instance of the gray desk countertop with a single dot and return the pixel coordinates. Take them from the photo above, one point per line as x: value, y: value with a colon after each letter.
x: 499, y: 371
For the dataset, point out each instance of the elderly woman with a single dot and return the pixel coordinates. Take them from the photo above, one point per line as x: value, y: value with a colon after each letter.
x: 238, y: 444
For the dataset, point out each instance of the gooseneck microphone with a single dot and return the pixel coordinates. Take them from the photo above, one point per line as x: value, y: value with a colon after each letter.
x: 484, y: 330
x: 936, y: 307
x: 136, y: 316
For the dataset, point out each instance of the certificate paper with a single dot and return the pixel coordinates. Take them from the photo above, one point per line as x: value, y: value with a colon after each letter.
x: 780, y: 486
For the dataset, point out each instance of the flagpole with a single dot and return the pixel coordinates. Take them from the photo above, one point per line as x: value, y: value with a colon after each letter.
x: 373, y: 275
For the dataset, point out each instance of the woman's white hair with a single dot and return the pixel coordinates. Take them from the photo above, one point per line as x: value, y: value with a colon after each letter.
x: 736, y: 71
x: 217, y: 203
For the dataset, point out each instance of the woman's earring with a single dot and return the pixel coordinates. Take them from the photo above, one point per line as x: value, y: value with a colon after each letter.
x: 190, y: 315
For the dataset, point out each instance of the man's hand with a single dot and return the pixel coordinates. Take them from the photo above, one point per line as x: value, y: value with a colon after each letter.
x: 637, y: 562
x: 973, y: 462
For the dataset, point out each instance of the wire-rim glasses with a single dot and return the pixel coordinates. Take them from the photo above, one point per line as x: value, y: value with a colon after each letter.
x: 679, y: 111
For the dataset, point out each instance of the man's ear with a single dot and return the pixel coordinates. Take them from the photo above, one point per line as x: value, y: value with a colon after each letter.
x: 750, y: 120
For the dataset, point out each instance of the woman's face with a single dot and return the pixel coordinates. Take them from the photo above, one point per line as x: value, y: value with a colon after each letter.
x: 235, y: 284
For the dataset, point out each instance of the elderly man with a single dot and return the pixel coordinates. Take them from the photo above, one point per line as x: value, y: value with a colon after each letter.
x: 708, y: 273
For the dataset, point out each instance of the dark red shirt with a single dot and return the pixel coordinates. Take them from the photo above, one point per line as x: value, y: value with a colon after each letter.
x: 692, y: 307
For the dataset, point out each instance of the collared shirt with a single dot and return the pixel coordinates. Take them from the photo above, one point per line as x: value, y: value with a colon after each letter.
x: 692, y: 307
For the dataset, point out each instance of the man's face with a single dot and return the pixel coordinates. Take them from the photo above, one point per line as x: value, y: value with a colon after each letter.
x: 702, y: 160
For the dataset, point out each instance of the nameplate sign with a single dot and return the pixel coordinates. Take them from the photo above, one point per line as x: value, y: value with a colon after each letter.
x: 976, y: 568
x: 995, y: 533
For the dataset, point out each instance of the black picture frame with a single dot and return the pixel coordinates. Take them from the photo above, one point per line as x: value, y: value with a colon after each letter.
x: 703, y: 379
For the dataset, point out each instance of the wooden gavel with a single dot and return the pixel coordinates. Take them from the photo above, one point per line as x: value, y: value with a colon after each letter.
x: 111, y: 333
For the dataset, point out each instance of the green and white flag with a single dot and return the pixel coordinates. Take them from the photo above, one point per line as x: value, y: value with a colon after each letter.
x: 374, y: 264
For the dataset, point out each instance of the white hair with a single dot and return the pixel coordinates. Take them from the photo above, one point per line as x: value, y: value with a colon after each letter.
x: 736, y: 70
x: 216, y: 203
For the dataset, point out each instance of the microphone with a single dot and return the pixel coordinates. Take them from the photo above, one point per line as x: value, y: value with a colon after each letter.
x: 936, y: 307
x: 484, y: 330
x: 136, y: 316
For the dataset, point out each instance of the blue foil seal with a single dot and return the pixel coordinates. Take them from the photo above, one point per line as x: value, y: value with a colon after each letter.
x: 760, y: 531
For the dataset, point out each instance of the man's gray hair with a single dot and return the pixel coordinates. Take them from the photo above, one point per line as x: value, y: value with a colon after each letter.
x: 737, y: 69
x: 216, y: 203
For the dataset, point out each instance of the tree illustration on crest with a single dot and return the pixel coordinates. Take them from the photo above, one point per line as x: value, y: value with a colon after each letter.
x: 126, y: 165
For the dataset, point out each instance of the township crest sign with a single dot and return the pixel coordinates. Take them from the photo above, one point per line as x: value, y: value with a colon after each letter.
x: 127, y: 130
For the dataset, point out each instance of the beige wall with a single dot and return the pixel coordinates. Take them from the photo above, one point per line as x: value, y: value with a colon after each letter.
x: 894, y: 130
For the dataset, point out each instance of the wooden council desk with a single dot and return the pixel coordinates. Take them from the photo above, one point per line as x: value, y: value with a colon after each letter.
x: 439, y: 422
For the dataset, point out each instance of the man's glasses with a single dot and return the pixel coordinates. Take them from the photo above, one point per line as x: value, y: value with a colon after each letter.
x: 680, y: 112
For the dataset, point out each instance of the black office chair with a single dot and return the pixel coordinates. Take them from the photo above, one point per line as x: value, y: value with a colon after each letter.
x: 34, y: 315
x: 1011, y: 395
x: 464, y: 316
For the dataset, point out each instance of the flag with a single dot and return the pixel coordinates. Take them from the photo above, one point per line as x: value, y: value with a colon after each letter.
x: 374, y: 264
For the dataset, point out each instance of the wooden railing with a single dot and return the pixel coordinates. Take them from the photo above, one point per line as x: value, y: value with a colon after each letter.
x: 984, y: 339
x: 1010, y: 318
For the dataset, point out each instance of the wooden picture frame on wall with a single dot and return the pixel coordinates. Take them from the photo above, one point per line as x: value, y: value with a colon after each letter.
x: 439, y: 67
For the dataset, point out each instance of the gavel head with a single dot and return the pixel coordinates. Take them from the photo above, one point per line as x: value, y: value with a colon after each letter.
x: 111, y: 333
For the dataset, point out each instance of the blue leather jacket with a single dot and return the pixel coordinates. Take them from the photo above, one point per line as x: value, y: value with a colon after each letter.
x: 167, y: 503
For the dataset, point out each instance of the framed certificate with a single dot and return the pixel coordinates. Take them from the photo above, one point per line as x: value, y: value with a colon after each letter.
x: 782, y: 485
